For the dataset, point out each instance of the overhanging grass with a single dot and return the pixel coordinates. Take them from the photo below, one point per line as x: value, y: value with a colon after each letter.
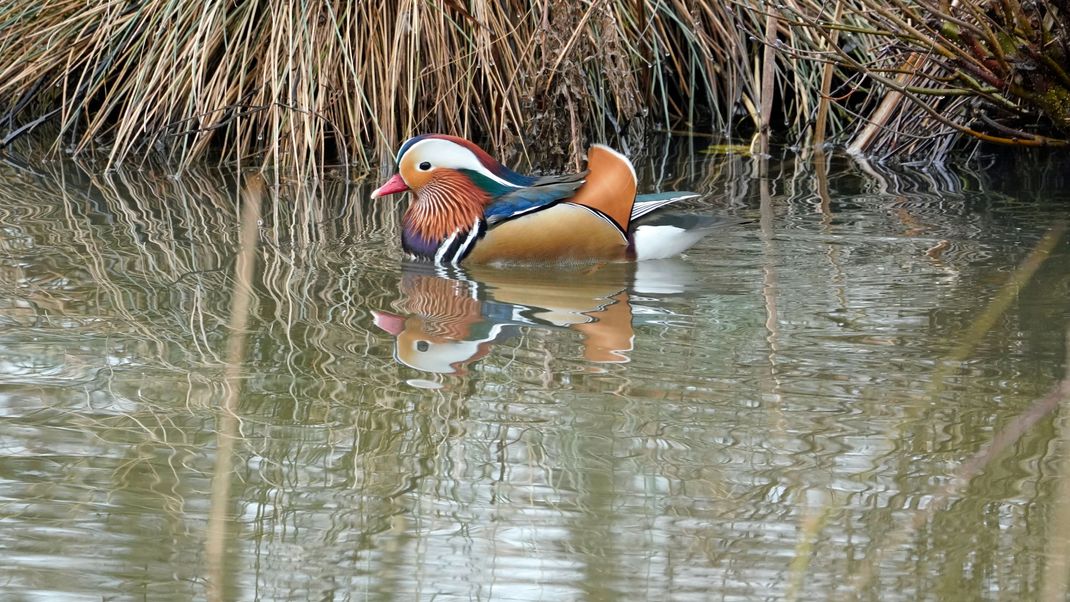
x: 298, y: 85
x: 271, y: 81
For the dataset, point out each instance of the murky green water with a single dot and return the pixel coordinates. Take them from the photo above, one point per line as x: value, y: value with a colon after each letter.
x: 848, y: 397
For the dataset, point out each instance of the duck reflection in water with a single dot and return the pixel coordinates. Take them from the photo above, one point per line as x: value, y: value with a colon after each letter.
x: 450, y: 317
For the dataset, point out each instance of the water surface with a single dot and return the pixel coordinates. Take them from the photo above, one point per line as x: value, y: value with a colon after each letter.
x: 211, y: 388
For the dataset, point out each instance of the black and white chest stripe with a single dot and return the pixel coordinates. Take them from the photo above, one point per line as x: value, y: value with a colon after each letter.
x: 457, y: 245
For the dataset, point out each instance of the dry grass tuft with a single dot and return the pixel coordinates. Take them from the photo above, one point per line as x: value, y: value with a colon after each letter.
x: 927, y: 77
x: 268, y: 81
x: 300, y: 85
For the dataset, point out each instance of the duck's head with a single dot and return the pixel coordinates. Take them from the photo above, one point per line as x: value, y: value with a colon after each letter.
x: 430, y: 159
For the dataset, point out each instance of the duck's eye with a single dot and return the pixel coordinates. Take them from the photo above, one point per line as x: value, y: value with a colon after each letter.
x: 425, y: 166
x: 422, y: 346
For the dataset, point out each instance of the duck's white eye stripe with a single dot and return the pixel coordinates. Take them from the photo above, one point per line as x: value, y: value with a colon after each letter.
x: 452, y: 156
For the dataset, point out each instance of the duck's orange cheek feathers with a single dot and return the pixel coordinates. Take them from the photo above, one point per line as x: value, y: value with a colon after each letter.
x: 416, y: 177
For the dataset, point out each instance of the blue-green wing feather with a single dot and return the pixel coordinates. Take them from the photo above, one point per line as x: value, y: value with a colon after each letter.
x: 542, y: 193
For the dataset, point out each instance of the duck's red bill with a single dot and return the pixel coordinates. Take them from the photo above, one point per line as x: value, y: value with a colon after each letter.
x: 391, y: 323
x: 392, y: 186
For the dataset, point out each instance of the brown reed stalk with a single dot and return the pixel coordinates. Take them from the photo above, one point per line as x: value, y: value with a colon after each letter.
x: 943, y: 73
x: 275, y: 83
x: 272, y: 83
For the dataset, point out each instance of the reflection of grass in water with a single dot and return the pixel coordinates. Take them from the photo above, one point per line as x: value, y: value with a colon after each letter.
x: 126, y: 282
x: 229, y: 422
x: 162, y: 270
x: 1002, y: 439
x: 158, y: 259
x: 147, y: 266
x: 814, y: 520
x: 1057, y: 550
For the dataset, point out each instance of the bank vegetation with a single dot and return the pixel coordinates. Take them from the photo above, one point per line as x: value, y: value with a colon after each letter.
x: 302, y: 85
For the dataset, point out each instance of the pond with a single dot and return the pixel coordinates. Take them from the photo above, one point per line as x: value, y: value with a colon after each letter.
x: 215, y: 388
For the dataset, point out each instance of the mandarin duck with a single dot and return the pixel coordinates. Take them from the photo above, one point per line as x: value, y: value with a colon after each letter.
x: 468, y: 207
x: 452, y: 319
